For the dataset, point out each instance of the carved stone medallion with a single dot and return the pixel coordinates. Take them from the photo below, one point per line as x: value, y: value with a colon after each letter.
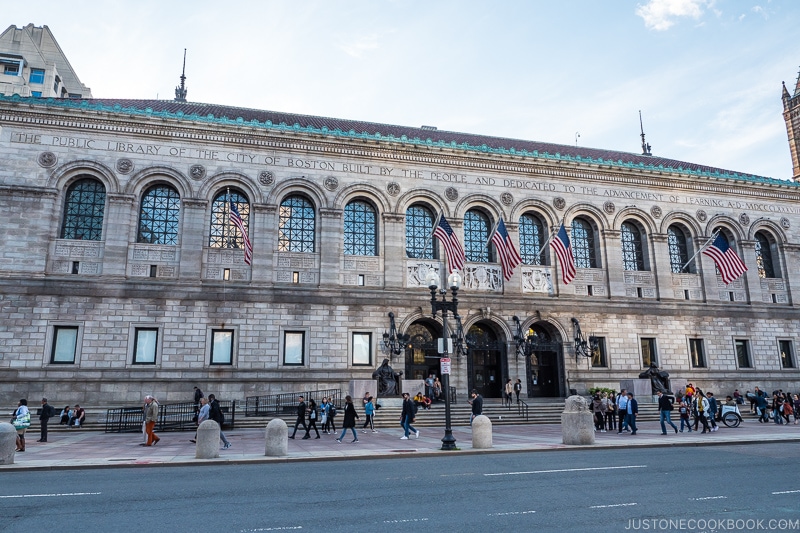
x: 124, y: 165
x: 559, y: 203
x: 609, y: 207
x: 655, y: 211
x: 451, y: 193
x: 507, y: 198
x: 744, y: 220
x: 265, y: 177
x: 785, y: 224
x: 701, y: 215
x: 47, y: 159
x: 331, y: 183
x: 393, y: 188
x: 197, y: 172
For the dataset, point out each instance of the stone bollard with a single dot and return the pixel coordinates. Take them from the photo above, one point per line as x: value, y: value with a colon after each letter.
x: 277, y: 441
x: 481, y: 432
x: 8, y: 443
x: 207, y: 440
x: 577, y: 422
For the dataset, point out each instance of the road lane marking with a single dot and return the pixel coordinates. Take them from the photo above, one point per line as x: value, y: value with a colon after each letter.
x: 566, y: 470
x: 285, y: 528
x: 612, y: 505
x: 786, y: 492
x: 708, y: 498
x: 510, y: 513
x: 51, y: 495
x: 405, y: 521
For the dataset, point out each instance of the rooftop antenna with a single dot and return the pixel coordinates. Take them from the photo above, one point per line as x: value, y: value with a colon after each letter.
x: 577, y: 136
x: 645, y: 146
x: 180, y: 92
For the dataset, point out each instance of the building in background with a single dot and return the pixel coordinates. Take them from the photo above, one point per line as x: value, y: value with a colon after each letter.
x: 32, y: 64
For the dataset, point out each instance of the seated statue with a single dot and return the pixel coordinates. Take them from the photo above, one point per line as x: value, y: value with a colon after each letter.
x: 659, y: 379
x: 388, y: 380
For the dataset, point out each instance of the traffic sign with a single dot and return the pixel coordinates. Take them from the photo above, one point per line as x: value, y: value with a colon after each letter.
x: 445, y: 361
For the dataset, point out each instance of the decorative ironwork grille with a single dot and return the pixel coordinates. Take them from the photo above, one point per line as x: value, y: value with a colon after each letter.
x: 632, y: 254
x: 159, y: 216
x: 678, y: 250
x: 476, y: 233
x: 360, y: 229
x: 296, y: 225
x: 83, y: 210
x: 224, y: 233
x: 582, y: 240
x: 766, y: 268
x: 531, y: 240
x: 419, y: 227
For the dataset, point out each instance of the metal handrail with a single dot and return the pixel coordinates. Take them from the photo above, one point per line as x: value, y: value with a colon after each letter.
x: 286, y: 403
x: 523, y: 410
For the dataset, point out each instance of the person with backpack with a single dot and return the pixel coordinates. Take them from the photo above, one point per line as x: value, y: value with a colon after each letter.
x: 215, y: 414
x: 46, y: 414
x: 323, y: 414
x: 407, y: 417
x: 684, y: 410
x: 331, y: 416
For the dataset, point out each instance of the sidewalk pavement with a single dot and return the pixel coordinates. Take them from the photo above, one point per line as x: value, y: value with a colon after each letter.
x: 78, y: 448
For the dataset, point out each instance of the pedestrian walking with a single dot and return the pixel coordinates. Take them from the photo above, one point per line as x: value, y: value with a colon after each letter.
x: 301, y: 416
x: 21, y: 422
x: 46, y: 414
x: 509, y: 393
x: 150, y: 419
x: 611, y: 411
x: 215, y: 414
x: 476, y: 401
x: 202, y: 415
x: 712, y: 411
x: 632, y: 410
x: 700, y: 409
x: 349, y: 419
x: 323, y: 414
x: 407, y: 417
x: 665, y: 407
x: 518, y: 388
x: 684, y: 409
x: 369, y: 412
x: 312, y: 419
x: 332, y: 412
x: 598, y: 409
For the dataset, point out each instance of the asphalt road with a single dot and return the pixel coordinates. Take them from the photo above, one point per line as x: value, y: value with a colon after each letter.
x: 581, y: 491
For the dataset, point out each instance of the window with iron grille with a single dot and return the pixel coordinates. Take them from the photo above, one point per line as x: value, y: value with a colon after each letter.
x: 678, y: 250
x: 224, y: 233
x: 766, y: 267
x: 159, y: 216
x: 582, y: 240
x: 476, y: 233
x: 632, y: 252
x: 84, y: 208
x: 296, y: 225
x: 419, y: 228
x: 531, y: 240
x: 360, y: 229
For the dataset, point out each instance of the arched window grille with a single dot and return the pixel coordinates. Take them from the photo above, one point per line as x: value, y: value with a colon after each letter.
x: 84, y: 207
x: 632, y: 251
x: 159, y: 216
x: 476, y: 233
x: 766, y: 266
x: 678, y: 250
x: 360, y: 229
x: 224, y: 233
x: 296, y: 225
x: 583, y: 244
x: 531, y: 240
x: 419, y: 227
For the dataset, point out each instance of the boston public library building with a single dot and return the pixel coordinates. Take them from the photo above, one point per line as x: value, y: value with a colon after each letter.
x: 123, y: 272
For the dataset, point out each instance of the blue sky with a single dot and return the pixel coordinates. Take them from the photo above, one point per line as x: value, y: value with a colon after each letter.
x: 706, y: 74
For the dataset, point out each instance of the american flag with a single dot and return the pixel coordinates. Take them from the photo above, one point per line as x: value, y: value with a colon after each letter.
x: 452, y: 246
x: 237, y: 221
x: 506, y: 252
x: 729, y: 264
x: 560, y: 242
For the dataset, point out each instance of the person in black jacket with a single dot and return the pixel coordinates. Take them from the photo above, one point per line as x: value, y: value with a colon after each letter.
x: 215, y: 414
x: 46, y: 413
x: 301, y: 417
x: 665, y: 412
x: 476, y: 401
x: 407, y: 416
x: 349, y: 420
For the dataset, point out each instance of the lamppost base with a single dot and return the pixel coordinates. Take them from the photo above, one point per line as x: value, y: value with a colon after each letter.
x: 448, y: 441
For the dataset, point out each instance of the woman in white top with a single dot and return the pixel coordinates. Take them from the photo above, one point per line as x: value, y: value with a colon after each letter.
x: 22, y: 420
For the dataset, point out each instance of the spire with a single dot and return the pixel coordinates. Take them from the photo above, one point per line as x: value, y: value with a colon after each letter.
x: 645, y: 146
x: 180, y: 92
x: 797, y: 85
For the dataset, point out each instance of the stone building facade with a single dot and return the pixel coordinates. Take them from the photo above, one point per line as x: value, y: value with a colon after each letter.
x: 121, y: 274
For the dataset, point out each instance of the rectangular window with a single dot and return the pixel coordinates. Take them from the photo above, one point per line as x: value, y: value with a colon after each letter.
x: 649, y: 354
x: 11, y: 70
x: 787, y: 354
x: 742, y: 353
x: 362, y: 349
x: 37, y: 94
x: 65, y: 344
x: 37, y: 76
x: 145, y: 346
x: 222, y: 347
x: 599, y: 354
x: 696, y: 353
x: 294, y: 347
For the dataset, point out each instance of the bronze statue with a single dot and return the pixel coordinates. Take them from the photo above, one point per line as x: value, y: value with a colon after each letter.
x: 659, y: 379
x: 388, y: 379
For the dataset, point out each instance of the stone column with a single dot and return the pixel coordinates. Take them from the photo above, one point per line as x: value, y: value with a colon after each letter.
x: 264, y: 238
x: 8, y: 443
x: 277, y: 443
x: 513, y: 287
x: 207, y: 440
x: 120, y: 219
x: 394, y: 249
x: 661, y: 267
x: 612, y: 263
x: 481, y: 432
x: 708, y: 271
x: 792, y: 257
x: 752, y: 282
x: 193, y: 231
x: 330, y: 246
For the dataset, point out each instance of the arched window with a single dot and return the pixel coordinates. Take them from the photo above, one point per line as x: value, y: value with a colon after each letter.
x: 766, y: 266
x: 296, y: 225
x: 476, y: 233
x: 159, y: 216
x: 632, y: 250
x: 678, y: 250
x: 84, y: 206
x: 531, y: 240
x: 360, y: 229
x: 224, y: 233
x: 419, y: 228
x: 583, y: 244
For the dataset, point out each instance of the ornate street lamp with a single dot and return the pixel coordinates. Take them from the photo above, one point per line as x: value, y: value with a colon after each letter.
x: 394, y: 343
x: 446, y: 342
x: 583, y: 347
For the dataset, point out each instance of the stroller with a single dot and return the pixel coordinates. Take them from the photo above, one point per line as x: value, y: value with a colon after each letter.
x: 731, y: 416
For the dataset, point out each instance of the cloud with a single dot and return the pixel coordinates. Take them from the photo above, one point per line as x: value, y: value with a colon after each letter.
x: 358, y: 47
x: 660, y: 15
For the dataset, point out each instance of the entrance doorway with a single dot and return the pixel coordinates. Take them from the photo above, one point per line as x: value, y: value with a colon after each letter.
x: 422, y: 351
x: 486, y: 361
x: 544, y: 362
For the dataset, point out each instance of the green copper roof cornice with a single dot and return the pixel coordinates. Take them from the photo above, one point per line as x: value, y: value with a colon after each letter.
x: 352, y: 134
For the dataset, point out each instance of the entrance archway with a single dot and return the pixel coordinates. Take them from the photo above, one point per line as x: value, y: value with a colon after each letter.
x: 486, y: 362
x: 421, y: 353
x: 544, y: 362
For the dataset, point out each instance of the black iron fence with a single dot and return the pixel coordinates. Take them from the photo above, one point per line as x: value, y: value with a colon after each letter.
x: 286, y: 404
x: 171, y: 417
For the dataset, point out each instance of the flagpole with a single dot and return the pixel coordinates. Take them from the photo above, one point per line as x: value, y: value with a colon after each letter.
x: 491, y: 233
x: 544, y: 246
x: 713, y: 236
x: 438, y: 218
